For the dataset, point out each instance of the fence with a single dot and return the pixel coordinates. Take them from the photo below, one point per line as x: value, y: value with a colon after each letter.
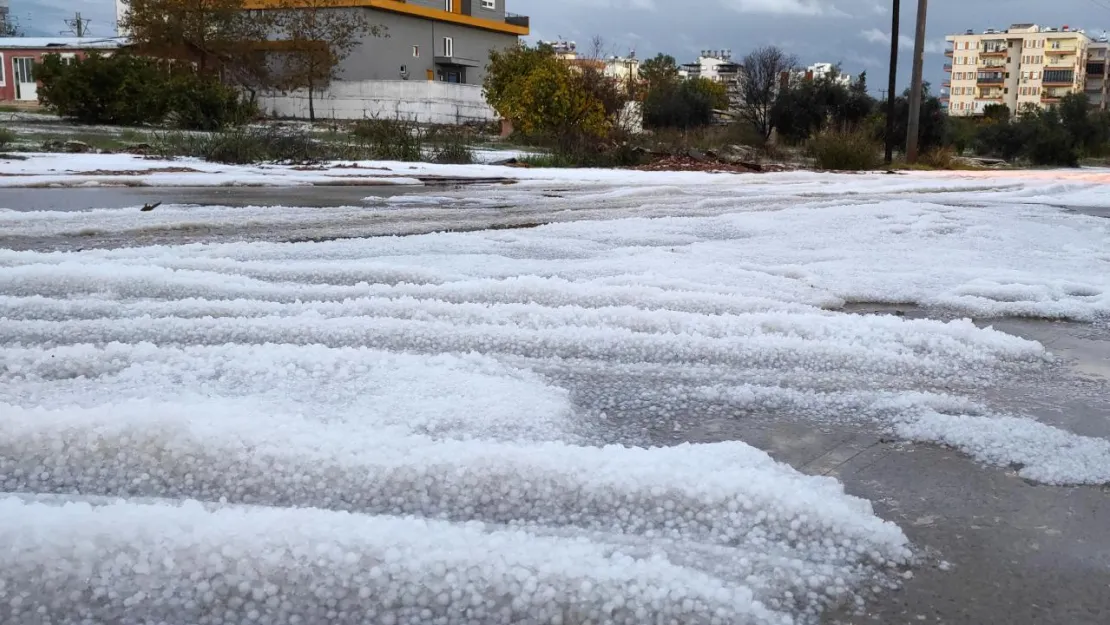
x: 421, y: 101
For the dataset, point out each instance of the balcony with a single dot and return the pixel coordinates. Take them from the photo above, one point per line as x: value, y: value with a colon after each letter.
x: 946, y: 83
x: 993, y: 96
x: 948, y: 52
x: 1061, y: 50
x: 513, y: 19
x: 948, y: 67
x: 990, y: 80
x: 994, y: 52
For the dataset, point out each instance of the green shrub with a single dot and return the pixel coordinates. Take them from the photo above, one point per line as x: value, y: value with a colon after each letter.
x: 451, y: 146
x: 121, y: 89
x: 7, y: 138
x: 127, y: 90
x: 845, y: 151
x: 241, y: 146
x: 201, y: 102
x: 391, y: 139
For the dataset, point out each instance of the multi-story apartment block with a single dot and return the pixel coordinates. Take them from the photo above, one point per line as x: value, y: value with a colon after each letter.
x: 1098, y: 73
x: 1024, y: 65
x: 718, y: 66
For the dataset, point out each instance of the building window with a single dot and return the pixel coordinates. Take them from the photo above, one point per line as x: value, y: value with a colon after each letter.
x: 449, y: 6
x: 3, y: 78
x: 448, y: 46
x: 489, y: 4
x: 416, y: 52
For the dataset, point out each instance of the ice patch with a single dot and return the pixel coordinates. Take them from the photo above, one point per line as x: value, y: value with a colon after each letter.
x: 1037, y: 451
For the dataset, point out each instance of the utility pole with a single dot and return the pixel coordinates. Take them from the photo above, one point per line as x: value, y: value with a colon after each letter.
x: 893, y: 85
x: 913, y: 128
x: 77, y: 26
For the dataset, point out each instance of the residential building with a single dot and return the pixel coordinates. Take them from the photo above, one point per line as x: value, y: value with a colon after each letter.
x: 1024, y: 65
x: 19, y: 55
x: 624, y: 69
x: 1098, y: 73
x: 818, y: 71
x: 718, y: 66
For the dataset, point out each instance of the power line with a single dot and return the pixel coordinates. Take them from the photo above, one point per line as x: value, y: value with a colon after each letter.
x: 77, y: 26
x: 1099, y: 4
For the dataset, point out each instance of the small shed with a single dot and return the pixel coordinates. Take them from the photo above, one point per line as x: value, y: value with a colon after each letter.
x: 18, y: 56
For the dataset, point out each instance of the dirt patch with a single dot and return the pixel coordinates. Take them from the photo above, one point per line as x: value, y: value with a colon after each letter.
x: 138, y: 172
x: 687, y: 163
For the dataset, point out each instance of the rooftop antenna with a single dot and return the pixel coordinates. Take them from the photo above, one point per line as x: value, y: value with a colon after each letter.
x: 77, y: 26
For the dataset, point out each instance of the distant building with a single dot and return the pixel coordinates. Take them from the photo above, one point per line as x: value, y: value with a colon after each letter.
x: 624, y: 69
x: 19, y: 55
x: 718, y: 66
x: 818, y: 71
x: 1097, y: 86
x: 1024, y: 65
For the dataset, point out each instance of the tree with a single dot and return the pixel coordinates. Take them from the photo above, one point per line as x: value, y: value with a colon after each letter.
x: 317, y: 37
x: 9, y: 27
x: 762, y: 71
x: 996, y: 112
x: 933, y: 125
x: 683, y: 104
x: 658, y: 71
x: 200, y: 31
x: 543, y: 97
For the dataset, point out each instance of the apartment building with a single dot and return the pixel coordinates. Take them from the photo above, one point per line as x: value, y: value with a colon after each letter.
x: 718, y: 66
x: 1098, y: 74
x: 1024, y: 65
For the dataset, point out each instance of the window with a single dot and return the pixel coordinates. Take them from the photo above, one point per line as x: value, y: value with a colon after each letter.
x: 448, y: 46
x: 489, y: 4
x: 416, y: 52
x: 3, y: 78
x: 449, y: 6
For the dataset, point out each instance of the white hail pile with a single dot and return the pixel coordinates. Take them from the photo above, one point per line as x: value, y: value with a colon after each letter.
x: 419, y: 430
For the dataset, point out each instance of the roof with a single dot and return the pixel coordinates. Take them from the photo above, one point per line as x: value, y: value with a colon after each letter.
x: 76, y: 43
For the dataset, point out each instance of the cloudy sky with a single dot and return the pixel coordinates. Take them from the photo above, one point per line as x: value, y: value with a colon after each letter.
x: 855, y: 33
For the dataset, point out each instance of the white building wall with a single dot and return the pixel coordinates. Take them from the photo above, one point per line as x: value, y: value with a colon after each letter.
x: 422, y: 101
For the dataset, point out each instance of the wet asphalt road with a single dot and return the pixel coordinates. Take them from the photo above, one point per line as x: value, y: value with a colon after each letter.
x: 996, y: 549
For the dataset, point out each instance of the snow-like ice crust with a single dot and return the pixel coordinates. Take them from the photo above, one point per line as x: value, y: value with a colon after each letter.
x: 422, y: 429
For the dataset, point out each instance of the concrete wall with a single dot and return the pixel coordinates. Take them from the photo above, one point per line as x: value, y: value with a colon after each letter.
x: 381, y: 58
x: 421, y: 101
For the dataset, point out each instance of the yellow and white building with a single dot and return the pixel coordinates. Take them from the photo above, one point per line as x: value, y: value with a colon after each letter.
x: 1024, y: 65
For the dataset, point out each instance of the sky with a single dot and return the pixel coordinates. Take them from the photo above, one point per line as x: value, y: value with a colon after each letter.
x: 855, y: 33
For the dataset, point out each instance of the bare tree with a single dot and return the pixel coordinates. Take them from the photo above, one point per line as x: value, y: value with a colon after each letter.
x: 318, y: 36
x: 598, y: 49
x: 762, y: 70
x: 9, y: 26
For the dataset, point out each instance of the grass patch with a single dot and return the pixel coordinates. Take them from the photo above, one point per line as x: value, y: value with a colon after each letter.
x: 845, y: 151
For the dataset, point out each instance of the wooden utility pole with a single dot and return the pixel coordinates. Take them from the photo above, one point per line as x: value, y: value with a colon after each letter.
x: 913, y: 127
x: 893, y: 85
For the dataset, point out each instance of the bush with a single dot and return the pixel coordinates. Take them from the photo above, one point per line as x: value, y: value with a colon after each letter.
x: 241, y: 146
x: 938, y: 158
x: 118, y: 90
x: 390, y: 139
x: 845, y: 151
x: 200, y: 102
x: 127, y: 90
x: 7, y: 138
x: 451, y: 147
